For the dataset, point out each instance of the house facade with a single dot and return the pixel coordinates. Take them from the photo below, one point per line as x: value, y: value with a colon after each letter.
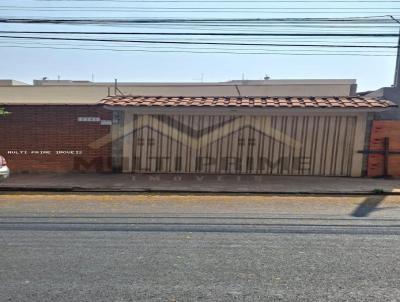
x: 272, y: 127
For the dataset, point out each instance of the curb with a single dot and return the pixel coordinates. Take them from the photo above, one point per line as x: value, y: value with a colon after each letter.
x: 177, y: 191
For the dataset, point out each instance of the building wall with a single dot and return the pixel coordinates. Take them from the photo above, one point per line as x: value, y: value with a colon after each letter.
x: 291, y: 144
x: 51, y: 139
x: 91, y: 94
x: 391, y: 130
x: 391, y: 94
x: 381, y: 125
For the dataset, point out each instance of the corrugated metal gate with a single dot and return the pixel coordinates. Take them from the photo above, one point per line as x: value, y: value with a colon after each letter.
x: 270, y: 145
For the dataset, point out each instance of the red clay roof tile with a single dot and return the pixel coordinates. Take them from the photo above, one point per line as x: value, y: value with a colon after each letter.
x: 249, y: 102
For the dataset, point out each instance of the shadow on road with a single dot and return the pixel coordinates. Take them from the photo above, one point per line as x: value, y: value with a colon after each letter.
x: 369, y: 205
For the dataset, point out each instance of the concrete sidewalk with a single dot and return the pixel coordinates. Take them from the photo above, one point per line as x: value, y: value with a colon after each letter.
x: 198, y: 183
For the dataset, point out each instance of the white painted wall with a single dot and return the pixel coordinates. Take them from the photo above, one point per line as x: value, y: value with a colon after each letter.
x: 93, y: 92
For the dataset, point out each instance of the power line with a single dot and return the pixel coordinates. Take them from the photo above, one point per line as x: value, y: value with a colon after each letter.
x: 251, y: 39
x: 51, y: 43
x: 199, y: 52
x: 282, y: 25
x: 256, y: 11
x: 380, y: 18
x: 88, y: 20
x: 205, y: 34
x: 225, y: 46
x: 201, y: 22
x: 267, y: 27
x: 228, y: 1
x: 187, y: 8
x: 197, y: 43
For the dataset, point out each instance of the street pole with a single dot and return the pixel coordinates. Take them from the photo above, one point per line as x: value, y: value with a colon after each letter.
x: 397, y: 72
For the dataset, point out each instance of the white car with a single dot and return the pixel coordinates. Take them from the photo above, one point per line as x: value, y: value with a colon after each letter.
x: 4, y: 171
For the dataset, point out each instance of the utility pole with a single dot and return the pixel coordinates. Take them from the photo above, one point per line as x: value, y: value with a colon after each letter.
x: 397, y: 71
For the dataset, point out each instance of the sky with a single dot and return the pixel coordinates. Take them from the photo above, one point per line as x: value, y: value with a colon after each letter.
x: 27, y: 60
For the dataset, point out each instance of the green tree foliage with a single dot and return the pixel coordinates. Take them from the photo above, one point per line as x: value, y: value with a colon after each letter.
x: 4, y: 112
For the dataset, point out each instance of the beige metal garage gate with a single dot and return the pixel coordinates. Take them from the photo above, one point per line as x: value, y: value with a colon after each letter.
x: 320, y: 136
x: 223, y: 144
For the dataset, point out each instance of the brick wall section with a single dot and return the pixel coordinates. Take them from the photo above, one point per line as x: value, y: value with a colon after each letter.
x: 54, y: 128
x: 380, y: 130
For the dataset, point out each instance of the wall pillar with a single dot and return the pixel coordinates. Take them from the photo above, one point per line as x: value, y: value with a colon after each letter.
x: 359, y: 144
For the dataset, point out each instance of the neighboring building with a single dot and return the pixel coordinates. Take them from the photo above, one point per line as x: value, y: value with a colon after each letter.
x: 7, y: 82
x: 391, y: 94
x: 84, y: 92
x: 273, y: 127
x: 383, y: 125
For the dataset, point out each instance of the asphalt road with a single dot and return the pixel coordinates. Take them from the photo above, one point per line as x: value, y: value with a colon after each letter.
x: 199, y: 248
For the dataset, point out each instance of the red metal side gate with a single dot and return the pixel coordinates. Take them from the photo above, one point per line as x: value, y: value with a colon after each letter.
x: 376, y: 162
